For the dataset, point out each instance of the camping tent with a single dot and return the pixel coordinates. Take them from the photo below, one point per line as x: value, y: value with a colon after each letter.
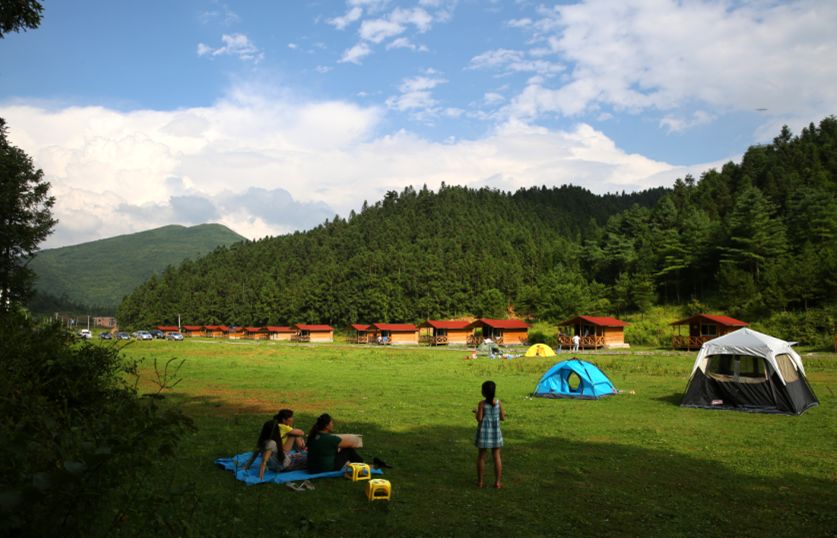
x: 749, y: 371
x: 574, y: 378
x: 540, y: 350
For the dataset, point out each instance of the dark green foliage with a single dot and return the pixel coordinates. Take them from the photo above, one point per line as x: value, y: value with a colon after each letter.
x: 25, y: 220
x: 17, y: 15
x: 101, y: 273
x: 75, y: 437
x: 751, y: 239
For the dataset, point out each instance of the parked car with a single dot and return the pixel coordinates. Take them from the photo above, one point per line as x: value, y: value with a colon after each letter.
x: 157, y: 333
x: 86, y: 334
x: 123, y: 336
x: 144, y: 335
x: 105, y: 336
x: 175, y: 336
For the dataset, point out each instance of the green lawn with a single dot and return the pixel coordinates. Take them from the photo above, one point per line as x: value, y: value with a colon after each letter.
x: 634, y: 464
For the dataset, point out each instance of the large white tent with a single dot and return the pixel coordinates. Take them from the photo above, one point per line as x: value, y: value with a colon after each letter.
x: 750, y: 371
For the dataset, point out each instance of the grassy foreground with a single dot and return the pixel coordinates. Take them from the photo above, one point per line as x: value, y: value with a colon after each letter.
x: 634, y: 464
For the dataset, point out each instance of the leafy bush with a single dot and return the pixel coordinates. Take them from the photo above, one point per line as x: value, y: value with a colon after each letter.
x: 75, y: 435
x: 815, y: 327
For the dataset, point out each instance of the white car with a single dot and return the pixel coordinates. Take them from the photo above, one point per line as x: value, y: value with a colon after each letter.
x: 86, y: 334
x: 144, y: 335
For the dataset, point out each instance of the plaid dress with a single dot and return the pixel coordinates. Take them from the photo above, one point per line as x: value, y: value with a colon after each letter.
x: 488, y: 431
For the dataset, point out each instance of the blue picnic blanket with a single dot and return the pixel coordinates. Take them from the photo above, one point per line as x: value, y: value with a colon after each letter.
x: 250, y: 477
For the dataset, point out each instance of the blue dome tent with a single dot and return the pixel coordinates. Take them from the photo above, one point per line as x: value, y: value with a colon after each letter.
x: 574, y: 378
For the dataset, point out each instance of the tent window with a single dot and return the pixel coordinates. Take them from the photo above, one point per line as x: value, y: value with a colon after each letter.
x: 574, y: 381
x: 736, y: 368
x: 787, y: 368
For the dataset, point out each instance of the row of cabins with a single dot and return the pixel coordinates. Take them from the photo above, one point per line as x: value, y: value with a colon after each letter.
x: 594, y: 332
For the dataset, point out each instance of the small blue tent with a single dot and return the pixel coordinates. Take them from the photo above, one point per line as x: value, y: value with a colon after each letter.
x: 574, y: 378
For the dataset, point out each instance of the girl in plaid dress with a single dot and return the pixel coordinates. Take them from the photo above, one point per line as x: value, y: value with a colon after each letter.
x: 489, y: 414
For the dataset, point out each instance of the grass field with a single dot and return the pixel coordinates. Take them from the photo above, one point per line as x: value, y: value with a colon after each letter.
x: 633, y: 464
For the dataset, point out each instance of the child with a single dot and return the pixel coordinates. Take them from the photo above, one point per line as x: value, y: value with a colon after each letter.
x: 277, y: 434
x: 489, y: 414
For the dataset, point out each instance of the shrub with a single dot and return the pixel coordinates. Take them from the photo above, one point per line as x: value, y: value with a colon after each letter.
x: 74, y: 433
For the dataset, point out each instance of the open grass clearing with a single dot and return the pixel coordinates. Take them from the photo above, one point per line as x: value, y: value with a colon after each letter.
x: 631, y: 464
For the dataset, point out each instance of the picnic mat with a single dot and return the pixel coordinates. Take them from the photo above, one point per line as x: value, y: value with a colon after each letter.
x: 236, y: 465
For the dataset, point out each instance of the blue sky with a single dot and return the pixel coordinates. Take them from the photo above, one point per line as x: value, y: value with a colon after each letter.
x: 272, y: 116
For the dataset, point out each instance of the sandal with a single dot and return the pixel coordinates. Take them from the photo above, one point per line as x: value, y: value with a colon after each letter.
x: 307, y: 485
x: 294, y: 487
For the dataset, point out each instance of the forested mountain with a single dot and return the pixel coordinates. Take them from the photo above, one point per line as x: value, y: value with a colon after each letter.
x: 750, y: 238
x: 100, y: 273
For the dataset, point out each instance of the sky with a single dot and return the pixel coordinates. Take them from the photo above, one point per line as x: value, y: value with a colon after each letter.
x: 271, y: 117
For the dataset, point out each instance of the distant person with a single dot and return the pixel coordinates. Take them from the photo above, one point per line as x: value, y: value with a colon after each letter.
x: 489, y: 414
x: 560, y: 343
x: 576, y: 341
x: 326, y: 451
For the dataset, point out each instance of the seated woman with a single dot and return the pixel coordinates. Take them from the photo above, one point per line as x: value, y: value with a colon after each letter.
x: 276, y: 445
x: 326, y: 451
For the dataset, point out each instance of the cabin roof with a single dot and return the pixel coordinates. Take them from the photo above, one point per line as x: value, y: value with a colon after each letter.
x: 396, y: 327
x: 500, y: 323
x: 278, y: 329
x: 360, y: 326
x: 726, y: 321
x: 599, y: 321
x: 314, y: 328
x: 192, y: 327
x: 451, y: 324
x: 167, y: 328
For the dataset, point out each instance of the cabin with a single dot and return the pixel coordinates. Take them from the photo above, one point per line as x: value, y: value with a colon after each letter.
x: 443, y: 333
x: 216, y: 331
x: 398, y: 334
x: 313, y: 333
x: 255, y: 333
x: 702, y: 328
x: 280, y: 333
x: 363, y: 334
x: 193, y: 330
x: 594, y: 332
x: 168, y: 329
x: 235, y: 333
x: 509, y: 332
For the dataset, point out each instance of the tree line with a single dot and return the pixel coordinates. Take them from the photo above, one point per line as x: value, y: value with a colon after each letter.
x: 751, y: 238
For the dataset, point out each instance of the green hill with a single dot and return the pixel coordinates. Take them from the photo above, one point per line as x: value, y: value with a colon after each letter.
x: 100, y: 273
x: 755, y: 239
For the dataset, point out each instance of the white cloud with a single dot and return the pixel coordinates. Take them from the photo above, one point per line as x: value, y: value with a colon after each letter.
x: 405, y: 43
x: 377, y: 30
x: 234, y: 45
x: 675, y: 124
x: 416, y: 95
x: 669, y: 55
x: 355, y: 54
x: 269, y: 163
x: 507, y: 61
x: 348, y: 18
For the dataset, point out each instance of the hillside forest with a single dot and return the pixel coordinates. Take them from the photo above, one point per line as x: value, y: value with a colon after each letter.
x: 754, y: 239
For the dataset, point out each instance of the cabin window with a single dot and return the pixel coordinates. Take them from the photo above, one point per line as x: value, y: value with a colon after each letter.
x: 707, y: 329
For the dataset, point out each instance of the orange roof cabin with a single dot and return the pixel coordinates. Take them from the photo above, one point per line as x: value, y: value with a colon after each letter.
x: 313, y: 333
x: 255, y: 333
x: 442, y: 333
x: 193, y: 330
x: 279, y: 333
x: 702, y: 328
x: 168, y: 329
x: 396, y: 333
x: 510, y: 332
x: 216, y: 331
x: 363, y: 334
x: 594, y: 332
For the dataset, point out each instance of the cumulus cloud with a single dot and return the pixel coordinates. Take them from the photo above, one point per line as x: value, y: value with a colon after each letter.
x: 233, y: 45
x: 669, y: 55
x: 353, y: 15
x: 416, y: 94
x: 356, y: 53
x: 269, y: 163
x: 508, y: 61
